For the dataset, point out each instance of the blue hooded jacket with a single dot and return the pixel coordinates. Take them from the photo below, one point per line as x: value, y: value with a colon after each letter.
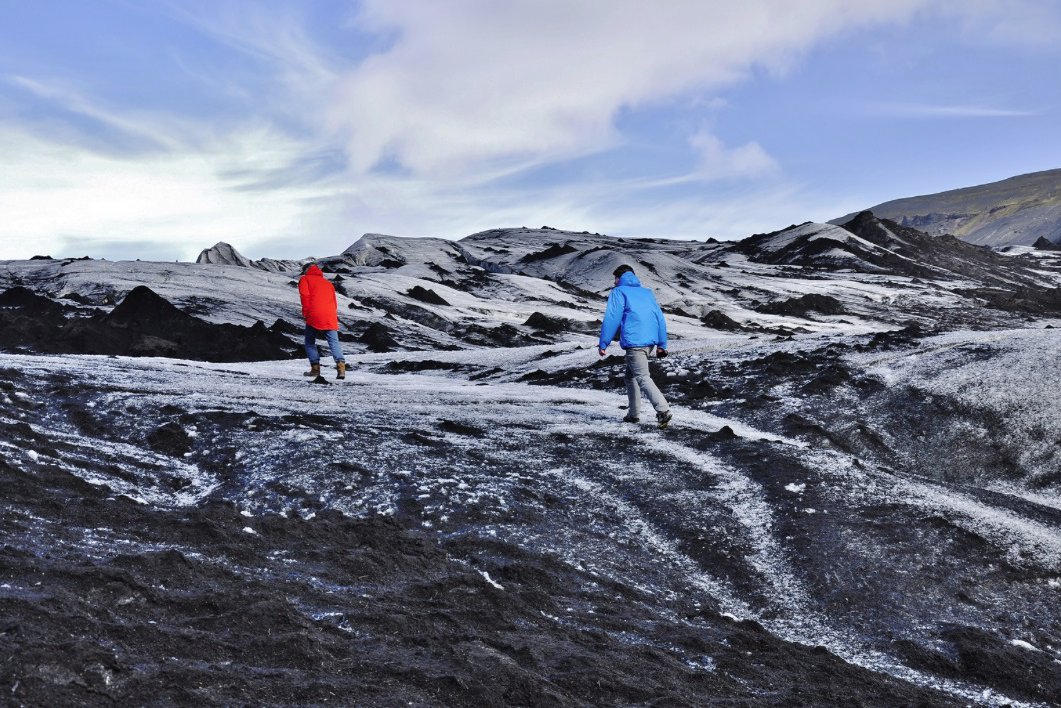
x: 633, y: 312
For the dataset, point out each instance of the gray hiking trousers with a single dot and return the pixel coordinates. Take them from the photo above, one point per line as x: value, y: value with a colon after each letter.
x: 637, y: 377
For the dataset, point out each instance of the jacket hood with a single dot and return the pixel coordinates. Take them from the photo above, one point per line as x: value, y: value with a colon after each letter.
x: 629, y: 279
x: 314, y: 270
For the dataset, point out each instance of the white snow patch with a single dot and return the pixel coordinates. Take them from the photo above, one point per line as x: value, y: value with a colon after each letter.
x: 1024, y: 539
x: 486, y: 576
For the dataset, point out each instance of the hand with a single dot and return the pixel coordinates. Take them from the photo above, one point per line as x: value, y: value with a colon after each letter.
x: 661, y: 353
x: 601, y: 351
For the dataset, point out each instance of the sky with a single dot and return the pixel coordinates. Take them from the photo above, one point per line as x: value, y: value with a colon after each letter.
x: 153, y: 129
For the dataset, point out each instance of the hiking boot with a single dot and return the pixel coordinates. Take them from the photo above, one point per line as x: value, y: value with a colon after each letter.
x: 631, y: 419
x: 664, y: 418
x: 340, y: 369
x: 314, y: 370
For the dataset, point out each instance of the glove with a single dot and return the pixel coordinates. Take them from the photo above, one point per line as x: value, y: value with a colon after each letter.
x: 661, y: 353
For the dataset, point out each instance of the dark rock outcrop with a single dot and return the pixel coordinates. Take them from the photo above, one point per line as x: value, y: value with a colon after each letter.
x: 545, y: 323
x: 418, y: 292
x: 803, y: 305
x: 717, y: 320
x: 378, y: 338
x: 27, y: 303
x: 553, y: 251
x: 142, y: 324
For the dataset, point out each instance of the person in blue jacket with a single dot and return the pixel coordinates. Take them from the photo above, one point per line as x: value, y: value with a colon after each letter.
x: 633, y: 312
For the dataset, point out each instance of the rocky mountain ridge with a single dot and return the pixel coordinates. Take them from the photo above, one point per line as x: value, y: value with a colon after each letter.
x: 1015, y: 211
x: 525, y: 286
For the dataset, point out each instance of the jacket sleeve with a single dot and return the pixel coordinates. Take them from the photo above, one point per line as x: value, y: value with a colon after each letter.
x: 303, y: 293
x: 613, y: 318
x: 661, y: 336
x: 335, y: 301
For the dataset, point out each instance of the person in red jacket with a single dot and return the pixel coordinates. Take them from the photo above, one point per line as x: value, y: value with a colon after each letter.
x: 320, y: 309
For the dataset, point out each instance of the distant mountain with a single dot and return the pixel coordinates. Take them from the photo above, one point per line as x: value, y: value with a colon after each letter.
x: 222, y: 253
x: 1016, y: 211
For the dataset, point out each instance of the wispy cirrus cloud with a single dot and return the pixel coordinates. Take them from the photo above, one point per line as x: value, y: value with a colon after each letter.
x: 278, y: 36
x: 909, y: 110
x: 1018, y: 23
x: 89, y: 121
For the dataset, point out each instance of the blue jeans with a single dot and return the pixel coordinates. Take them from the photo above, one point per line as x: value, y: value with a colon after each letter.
x: 333, y: 344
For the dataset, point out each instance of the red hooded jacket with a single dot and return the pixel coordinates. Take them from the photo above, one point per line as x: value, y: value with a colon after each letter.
x: 320, y: 309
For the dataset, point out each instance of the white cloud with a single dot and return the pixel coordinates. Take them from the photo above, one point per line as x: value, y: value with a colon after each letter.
x: 719, y: 162
x: 55, y: 196
x: 472, y: 82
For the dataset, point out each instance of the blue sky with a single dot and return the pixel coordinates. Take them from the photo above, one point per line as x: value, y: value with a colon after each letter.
x: 155, y: 128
